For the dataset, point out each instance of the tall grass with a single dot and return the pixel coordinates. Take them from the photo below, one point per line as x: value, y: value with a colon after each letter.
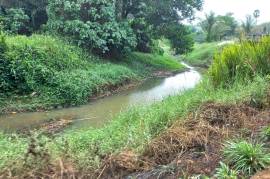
x: 241, y: 62
x: 202, y: 54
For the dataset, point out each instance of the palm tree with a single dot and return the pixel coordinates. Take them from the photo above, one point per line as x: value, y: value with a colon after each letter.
x: 248, y: 24
x: 208, y: 24
x: 256, y: 14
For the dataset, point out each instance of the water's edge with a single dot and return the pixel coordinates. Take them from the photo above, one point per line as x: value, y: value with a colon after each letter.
x: 96, y: 113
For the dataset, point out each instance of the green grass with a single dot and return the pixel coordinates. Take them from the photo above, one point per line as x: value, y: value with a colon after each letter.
x: 224, y: 172
x: 241, y: 62
x: 246, y: 157
x: 62, y: 74
x: 159, y: 62
x: 136, y: 127
x: 202, y: 54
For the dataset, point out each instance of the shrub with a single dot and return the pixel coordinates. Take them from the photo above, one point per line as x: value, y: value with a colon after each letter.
x: 15, y: 21
x: 246, y: 157
x: 224, y: 172
x: 32, y: 61
x: 241, y: 62
x: 92, y: 24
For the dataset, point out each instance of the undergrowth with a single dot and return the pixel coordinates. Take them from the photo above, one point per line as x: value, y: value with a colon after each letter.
x: 137, y: 126
x: 39, y: 72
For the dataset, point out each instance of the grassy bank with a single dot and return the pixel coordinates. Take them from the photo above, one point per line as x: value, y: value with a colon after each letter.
x: 86, y: 149
x: 41, y: 72
x: 202, y: 55
x: 126, y: 139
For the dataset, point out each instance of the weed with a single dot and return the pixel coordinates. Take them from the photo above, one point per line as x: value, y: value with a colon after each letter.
x: 246, y: 157
x: 224, y: 172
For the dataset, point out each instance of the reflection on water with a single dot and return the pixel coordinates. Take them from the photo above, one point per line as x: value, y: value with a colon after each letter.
x: 102, y: 110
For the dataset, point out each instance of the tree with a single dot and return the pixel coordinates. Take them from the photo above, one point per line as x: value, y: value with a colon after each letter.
x: 248, y: 24
x: 92, y: 24
x: 150, y: 18
x: 181, y: 38
x: 218, y: 27
x: 35, y: 10
x: 256, y: 14
x: 208, y: 24
x: 230, y: 24
x: 15, y: 21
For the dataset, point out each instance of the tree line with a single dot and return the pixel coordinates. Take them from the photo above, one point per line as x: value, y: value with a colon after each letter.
x: 104, y: 27
x: 218, y: 27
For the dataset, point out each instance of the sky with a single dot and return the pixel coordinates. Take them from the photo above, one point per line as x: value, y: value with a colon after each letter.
x: 240, y: 8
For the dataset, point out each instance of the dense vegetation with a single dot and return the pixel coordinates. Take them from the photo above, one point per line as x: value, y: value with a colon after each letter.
x: 52, y: 72
x: 97, y: 46
x: 86, y: 148
x: 241, y: 62
x: 107, y: 27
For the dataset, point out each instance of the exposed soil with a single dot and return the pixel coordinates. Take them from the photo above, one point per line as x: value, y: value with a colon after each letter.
x: 189, y: 147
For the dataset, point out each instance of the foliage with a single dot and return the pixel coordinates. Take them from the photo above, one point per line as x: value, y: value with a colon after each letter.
x: 224, y: 172
x: 208, y: 24
x: 181, y: 38
x: 49, y: 67
x: 91, y: 24
x: 218, y: 27
x: 246, y: 157
x: 248, y: 24
x: 61, y: 74
x: 15, y: 21
x: 34, y: 10
x: 241, y: 62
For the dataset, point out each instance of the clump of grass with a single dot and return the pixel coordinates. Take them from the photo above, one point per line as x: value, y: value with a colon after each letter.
x: 246, y: 157
x: 224, y: 172
x: 241, y: 62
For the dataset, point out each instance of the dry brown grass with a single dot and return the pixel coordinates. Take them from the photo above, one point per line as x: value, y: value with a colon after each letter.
x: 190, y: 146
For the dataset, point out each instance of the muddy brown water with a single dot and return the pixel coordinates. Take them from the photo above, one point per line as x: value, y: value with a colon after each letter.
x: 96, y: 113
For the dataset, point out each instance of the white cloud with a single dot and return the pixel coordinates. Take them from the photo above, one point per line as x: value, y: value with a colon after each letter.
x: 240, y: 8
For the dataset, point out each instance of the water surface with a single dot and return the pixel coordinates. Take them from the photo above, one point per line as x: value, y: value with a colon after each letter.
x: 98, y: 112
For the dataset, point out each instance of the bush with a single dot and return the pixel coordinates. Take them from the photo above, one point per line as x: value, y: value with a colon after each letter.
x: 15, y: 21
x: 32, y: 62
x: 246, y: 157
x: 92, y: 24
x: 181, y: 38
x: 241, y: 62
